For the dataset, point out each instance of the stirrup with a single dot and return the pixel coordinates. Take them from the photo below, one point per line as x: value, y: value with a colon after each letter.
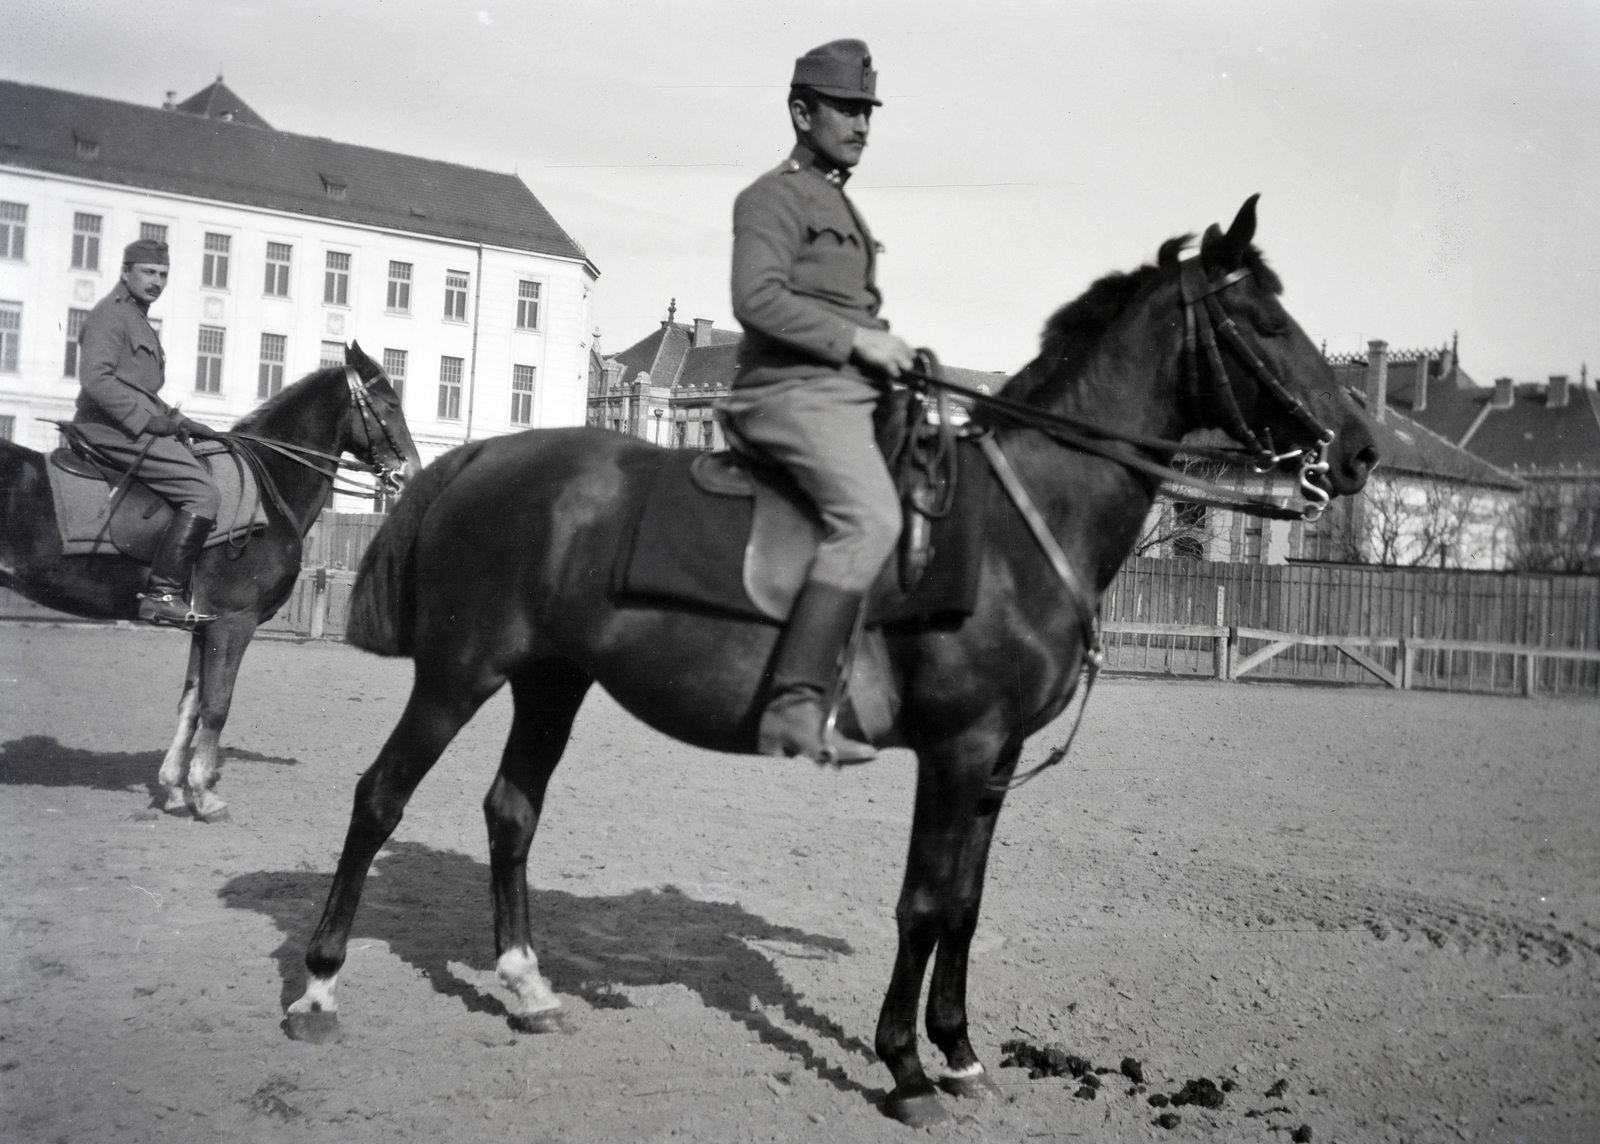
x: 163, y: 610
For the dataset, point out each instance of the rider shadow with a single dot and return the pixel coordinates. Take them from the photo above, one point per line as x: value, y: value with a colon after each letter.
x: 41, y: 760
x: 426, y: 902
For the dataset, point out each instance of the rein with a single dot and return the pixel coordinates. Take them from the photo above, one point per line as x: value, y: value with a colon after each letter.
x: 1203, y: 317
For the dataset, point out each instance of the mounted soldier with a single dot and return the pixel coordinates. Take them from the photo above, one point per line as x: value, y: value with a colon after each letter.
x: 121, y: 414
x: 812, y: 364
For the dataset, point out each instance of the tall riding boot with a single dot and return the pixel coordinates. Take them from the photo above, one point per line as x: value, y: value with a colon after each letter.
x: 807, y: 669
x: 163, y: 600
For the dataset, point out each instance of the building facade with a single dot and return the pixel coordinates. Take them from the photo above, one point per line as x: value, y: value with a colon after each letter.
x: 284, y: 248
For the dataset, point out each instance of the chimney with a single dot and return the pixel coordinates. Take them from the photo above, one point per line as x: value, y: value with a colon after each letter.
x: 702, y: 332
x: 1502, y: 393
x: 171, y: 103
x: 1377, y: 387
x: 1556, y: 396
x: 1419, y: 392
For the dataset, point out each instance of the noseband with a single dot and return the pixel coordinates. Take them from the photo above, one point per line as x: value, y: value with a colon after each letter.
x: 1203, y: 318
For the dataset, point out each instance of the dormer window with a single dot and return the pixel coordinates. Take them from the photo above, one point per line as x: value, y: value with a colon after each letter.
x: 87, y: 148
x: 335, y: 188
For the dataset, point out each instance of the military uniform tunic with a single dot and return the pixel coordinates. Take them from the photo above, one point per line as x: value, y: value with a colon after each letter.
x: 803, y: 265
x: 122, y: 370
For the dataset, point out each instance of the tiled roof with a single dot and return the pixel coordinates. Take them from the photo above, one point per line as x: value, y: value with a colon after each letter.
x: 123, y: 143
x: 1410, y: 447
x: 1534, y: 438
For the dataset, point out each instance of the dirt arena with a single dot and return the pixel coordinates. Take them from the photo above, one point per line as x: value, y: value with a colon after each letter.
x: 1380, y: 908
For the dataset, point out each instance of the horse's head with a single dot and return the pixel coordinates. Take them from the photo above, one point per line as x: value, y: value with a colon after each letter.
x: 1251, y: 371
x: 376, y: 431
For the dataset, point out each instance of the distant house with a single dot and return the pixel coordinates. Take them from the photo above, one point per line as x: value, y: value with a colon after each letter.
x: 1545, y: 435
x: 662, y: 387
x: 284, y: 247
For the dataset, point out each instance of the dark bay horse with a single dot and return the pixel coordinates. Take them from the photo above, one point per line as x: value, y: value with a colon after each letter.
x: 342, y: 409
x: 495, y: 567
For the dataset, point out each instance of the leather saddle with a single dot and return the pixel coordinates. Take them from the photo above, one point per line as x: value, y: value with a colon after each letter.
x: 98, y: 512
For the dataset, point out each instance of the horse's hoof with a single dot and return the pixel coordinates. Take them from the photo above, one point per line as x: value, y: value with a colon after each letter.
x: 973, y: 1086
x: 216, y: 817
x: 176, y: 804
x: 549, y: 1021
x: 209, y: 808
x: 922, y: 1111
x: 317, y: 1028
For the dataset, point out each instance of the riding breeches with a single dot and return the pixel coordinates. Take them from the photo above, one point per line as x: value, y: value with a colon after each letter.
x: 169, y: 469
x: 820, y: 430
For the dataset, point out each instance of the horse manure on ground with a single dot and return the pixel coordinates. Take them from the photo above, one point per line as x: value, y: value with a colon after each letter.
x: 1159, y: 1100
x: 1169, y: 1120
x: 1085, y: 1092
x: 1202, y: 1091
x: 1133, y: 1069
x: 1051, y: 1060
x: 1279, y: 1087
x: 1301, y: 1135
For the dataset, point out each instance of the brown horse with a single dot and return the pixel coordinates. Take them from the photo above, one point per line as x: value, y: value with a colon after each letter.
x: 495, y: 569
x: 295, y: 438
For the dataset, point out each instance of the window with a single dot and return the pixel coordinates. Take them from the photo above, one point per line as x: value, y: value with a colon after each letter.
x: 85, y: 241
x: 13, y: 229
x: 455, y: 296
x: 274, y: 349
x: 332, y: 355
x: 208, y: 362
x: 394, y: 364
x: 278, y: 258
x: 152, y: 232
x: 335, y: 189
x: 450, y: 388
x: 527, y: 305
x: 74, y: 328
x: 86, y: 148
x: 8, y: 427
x: 399, y: 288
x: 522, y: 394
x: 215, y: 272
x: 10, y: 335
x: 336, y: 280
x: 708, y: 434
x: 680, y: 434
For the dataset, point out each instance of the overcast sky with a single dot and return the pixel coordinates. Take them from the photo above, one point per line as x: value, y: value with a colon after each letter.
x: 1425, y: 167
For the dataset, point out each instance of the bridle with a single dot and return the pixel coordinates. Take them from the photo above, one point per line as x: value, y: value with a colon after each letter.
x: 389, y: 471
x: 1203, y: 315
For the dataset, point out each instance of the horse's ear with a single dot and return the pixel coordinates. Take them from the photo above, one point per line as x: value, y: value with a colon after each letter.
x: 355, y: 356
x: 1226, y: 251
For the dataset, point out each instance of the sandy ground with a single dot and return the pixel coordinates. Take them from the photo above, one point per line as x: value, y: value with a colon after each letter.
x: 1388, y: 902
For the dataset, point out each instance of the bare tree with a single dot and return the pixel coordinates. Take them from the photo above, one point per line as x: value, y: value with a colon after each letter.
x: 1555, y: 527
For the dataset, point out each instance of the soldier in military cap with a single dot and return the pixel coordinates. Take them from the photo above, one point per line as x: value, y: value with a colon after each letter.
x: 121, y: 413
x: 811, y: 363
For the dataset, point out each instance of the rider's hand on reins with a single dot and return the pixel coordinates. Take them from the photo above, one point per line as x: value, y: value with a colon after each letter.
x: 882, y: 351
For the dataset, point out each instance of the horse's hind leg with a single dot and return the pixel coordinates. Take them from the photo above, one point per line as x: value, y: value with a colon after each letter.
x: 224, y: 643
x: 175, y: 767
x: 440, y: 704
x: 547, y: 696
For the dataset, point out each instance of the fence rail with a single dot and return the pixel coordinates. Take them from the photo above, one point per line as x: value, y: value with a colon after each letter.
x: 1505, y: 633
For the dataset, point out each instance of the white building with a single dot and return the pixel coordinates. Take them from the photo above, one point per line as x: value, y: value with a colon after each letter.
x: 284, y: 247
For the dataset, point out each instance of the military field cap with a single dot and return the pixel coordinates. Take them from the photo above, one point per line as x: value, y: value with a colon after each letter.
x: 842, y: 69
x: 146, y: 250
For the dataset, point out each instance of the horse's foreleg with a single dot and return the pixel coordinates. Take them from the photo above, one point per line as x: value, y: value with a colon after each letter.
x: 224, y: 642
x: 547, y: 698
x: 175, y: 767
x: 437, y: 709
x: 936, y: 903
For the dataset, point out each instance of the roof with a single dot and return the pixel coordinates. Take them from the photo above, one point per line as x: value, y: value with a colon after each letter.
x: 218, y: 101
x: 1533, y: 438
x: 244, y: 161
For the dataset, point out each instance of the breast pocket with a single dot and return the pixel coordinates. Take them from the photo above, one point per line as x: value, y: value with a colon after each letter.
x: 832, y: 262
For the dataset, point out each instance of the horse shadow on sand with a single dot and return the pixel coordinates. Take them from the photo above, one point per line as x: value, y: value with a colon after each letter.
x: 41, y: 760
x: 431, y: 908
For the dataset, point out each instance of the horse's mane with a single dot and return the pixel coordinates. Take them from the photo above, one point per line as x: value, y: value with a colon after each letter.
x: 260, y: 414
x: 1073, y: 331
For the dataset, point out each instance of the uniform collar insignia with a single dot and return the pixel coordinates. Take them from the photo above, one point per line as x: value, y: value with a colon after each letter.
x: 803, y: 156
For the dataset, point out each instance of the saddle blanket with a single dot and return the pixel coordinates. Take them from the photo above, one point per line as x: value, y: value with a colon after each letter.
x: 744, y: 549
x: 141, y: 516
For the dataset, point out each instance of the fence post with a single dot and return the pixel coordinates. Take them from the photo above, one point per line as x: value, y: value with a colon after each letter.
x: 319, y: 603
x: 1219, y: 644
x: 1408, y: 663
x: 1528, y: 662
x: 1233, y: 652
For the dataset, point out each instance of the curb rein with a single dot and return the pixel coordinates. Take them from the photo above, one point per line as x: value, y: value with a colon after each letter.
x: 1203, y: 318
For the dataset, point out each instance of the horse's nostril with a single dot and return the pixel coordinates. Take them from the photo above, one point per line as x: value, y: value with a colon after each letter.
x: 1364, y: 461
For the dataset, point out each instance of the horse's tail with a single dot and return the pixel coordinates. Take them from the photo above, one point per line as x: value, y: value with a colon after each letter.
x: 381, y: 601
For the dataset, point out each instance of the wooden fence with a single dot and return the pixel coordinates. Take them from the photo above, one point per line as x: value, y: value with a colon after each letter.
x: 1508, y: 633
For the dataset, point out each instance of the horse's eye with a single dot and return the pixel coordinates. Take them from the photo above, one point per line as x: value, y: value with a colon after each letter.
x: 1271, y: 327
